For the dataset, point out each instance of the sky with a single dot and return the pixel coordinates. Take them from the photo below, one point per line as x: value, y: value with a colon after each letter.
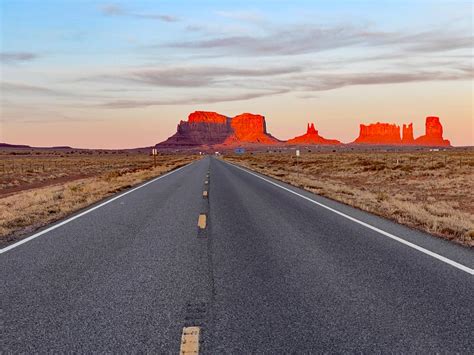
x: 122, y: 74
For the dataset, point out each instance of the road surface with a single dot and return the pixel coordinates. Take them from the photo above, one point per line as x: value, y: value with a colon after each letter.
x: 274, y: 269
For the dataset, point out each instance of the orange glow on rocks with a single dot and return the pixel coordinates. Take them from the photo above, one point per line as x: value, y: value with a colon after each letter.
x: 206, y: 117
x: 250, y: 128
x: 433, y: 133
x: 387, y: 134
x: 213, y: 129
x: 407, y: 134
x: 312, y: 137
x: 379, y: 133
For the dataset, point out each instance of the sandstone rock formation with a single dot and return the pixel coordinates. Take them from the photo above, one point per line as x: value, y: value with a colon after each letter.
x: 250, y: 128
x: 211, y: 128
x: 379, y: 133
x: 312, y: 137
x: 433, y: 134
x: 407, y: 134
x: 385, y: 133
x: 206, y: 117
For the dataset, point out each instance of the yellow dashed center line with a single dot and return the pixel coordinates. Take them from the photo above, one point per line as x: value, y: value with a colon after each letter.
x: 206, y: 182
x: 190, y: 340
x: 204, y: 194
x: 202, y: 221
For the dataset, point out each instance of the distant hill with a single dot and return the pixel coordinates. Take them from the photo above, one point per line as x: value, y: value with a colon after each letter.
x: 23, y: 146
x: 68, y: 148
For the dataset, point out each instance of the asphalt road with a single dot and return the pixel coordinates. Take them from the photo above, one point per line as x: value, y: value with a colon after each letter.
x: 272, y: 272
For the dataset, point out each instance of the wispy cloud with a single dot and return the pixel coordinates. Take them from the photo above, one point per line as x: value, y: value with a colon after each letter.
x: 20, y: 90
x: 324, y: 82
x: 116, y: 10
x: 247, y: 16
x: 194, y: 76
x: 195, y: 28
x: 112, y: 10
x: 304, y: 83
x: 17, y: 57
x: 437, y: 42
x: 8, y: 87
x: 304, y: 39
x: 190, y: 100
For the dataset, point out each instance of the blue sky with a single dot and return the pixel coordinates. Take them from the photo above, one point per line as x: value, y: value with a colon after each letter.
x: 133, y: 69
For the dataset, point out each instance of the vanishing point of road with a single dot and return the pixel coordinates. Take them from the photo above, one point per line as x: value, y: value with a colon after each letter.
x: 217, y: 259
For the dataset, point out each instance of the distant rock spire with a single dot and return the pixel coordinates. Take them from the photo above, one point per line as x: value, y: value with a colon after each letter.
x: 433, y: 133
x: 407, y: 134
x: 311, y: 137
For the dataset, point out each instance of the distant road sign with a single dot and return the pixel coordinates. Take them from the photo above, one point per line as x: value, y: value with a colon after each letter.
x: 239, y: 150
x: 297, y: 152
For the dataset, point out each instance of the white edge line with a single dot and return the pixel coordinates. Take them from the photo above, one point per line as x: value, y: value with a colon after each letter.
x: 36, y: 235
x: 394, y: 237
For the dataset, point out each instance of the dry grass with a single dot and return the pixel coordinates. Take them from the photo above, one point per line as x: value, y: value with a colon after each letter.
x: 431, y: 191
x: 23, y: 169
x: 25, y: 210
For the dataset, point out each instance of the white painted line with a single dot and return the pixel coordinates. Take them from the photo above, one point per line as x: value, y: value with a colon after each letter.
x: 85, y: 212
x: 394, y: 237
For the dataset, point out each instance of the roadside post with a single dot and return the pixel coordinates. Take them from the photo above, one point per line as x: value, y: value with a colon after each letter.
x: 297, y: 170
x: 154, y: 152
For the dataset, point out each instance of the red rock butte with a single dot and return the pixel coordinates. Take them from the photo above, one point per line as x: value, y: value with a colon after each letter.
x: 250, y: 128
x: 379, y: 133
x: 208, y: 129
x: 433, y: 134
x: 312, y: 137
x: 389, y: 134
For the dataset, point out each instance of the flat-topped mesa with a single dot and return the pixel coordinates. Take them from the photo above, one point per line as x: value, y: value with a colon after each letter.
x: 433, y: 134
x: 201, y: 128
x: 211, y: 128
x: 311, y: 137
x: 407, y: 134
x: 250, y: 128
x: 379, y: 133
x: 207, y: 117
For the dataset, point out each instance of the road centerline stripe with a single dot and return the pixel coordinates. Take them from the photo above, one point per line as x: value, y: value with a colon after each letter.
x: 202, y: 221
x: 70, y: 219
x: 369, y: 226
x: 190, y: 340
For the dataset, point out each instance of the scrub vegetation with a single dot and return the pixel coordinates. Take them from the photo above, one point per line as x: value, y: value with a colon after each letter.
x: 429, y: 190
x: 40, y: 187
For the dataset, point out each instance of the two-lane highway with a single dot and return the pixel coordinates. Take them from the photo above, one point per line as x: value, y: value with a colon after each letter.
x: 269, y: 271
x: 118, y: 279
